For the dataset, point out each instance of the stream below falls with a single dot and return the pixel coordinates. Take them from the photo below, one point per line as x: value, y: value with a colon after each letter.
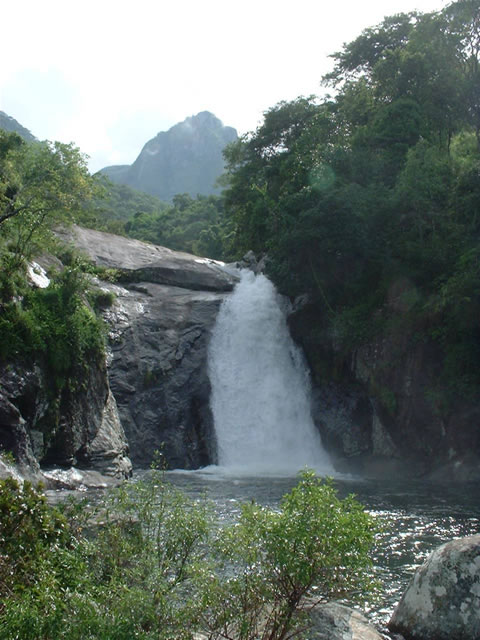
x: 416, y: 516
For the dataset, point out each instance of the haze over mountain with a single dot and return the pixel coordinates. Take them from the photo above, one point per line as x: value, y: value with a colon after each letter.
x: 185, y: 159
x: 10, y: 124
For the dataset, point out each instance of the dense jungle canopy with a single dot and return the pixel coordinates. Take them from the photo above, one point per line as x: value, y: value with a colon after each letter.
x: 374, y: 194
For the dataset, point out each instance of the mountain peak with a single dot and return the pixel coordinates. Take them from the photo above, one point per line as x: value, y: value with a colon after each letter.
x: 188, y: 158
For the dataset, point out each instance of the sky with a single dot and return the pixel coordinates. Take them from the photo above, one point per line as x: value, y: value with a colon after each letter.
x: 108, y: 75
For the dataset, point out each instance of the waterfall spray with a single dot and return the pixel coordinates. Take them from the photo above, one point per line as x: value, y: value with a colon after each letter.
x: 260, y: 386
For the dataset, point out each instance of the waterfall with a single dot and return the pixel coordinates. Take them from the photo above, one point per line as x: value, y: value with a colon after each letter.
x: 260, y: 386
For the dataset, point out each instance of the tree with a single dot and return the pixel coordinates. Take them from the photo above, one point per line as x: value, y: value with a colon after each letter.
x: 41, y: 184
x: 195, y: 225
x: 431, y: 58
x: 463, y: 22
x: 268, y: 166
x: 376, y: 185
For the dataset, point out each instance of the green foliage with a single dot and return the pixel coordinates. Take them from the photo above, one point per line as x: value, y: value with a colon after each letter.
x: 30, y: 532
x: 351, y: 195
x: 74, y: 259
x: 7, y: 457
x: 100, y: 299
x: 315, y: 545
x: 13, y: 270
x: 153, y: 564
x: 41, y: 184
x: 118, y: 203
x: 193, y: 225
x: 54, y: 325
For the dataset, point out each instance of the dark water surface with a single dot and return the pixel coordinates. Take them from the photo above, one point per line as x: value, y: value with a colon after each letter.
x: 416, y: 517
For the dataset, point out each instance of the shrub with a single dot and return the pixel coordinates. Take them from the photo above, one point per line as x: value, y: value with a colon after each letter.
x: 56, y: 325
x: 152, y: 565
x: 101, y: 299
x: 30, y: 533
x: 270, y: 561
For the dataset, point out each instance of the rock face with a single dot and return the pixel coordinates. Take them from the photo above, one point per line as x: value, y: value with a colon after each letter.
x: 139, y: 261
x: 185, y: 159
x: 160, y: 324
x: 157, y: 367
x: 156, y: 394
x: 11, y: 125
x: 80, y: 427
x: 380, y: 409
x: 20, y: 405
x: 443, y: 600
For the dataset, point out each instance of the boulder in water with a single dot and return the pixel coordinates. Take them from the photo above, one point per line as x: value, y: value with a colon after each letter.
x: 442, y: 601
x: 333, y: 621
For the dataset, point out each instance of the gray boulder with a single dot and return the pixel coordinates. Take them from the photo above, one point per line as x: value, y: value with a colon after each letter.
x: 78, y: 427
x: 333, y: 621
x: 442, y: 601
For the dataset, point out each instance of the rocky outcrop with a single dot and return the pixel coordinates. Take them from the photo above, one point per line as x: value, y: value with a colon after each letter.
x: 443, y: 600
x: 77, y: 427
x: 381, y: 409
x: 140, y: 261
x: 185, y: 159
x: 157, y: 368
x: 7, y: 123
x: 15, y: 390
x: 156, y: 394
x: 165, y: 307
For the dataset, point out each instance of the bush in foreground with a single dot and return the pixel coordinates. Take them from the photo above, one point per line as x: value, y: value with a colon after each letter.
x: 150, y: 563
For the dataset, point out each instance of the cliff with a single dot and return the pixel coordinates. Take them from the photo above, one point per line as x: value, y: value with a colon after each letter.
x: 165, y: 306
x: 378, y: 407
x: 382, y: 408
x: 79, y: 427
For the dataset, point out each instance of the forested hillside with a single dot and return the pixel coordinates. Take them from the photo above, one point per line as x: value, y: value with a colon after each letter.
x: 196, y: 225
x: 369, y: 200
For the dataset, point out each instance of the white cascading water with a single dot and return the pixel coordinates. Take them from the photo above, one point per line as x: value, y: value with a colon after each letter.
x: 260, y: 387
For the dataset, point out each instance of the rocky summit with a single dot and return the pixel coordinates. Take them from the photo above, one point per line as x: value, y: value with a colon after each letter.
x: 7, y: 123
x: 185, y: 159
